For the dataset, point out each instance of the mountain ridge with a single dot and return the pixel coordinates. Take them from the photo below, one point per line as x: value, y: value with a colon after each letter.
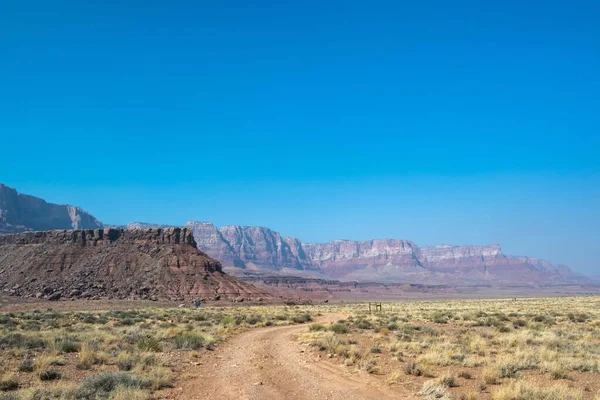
x: 392, y: 260
x: 22, y: 212
x: 262, y: 250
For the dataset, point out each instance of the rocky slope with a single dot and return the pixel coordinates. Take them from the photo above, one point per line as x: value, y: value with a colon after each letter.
x: 20, y: 212
x: 113, y: 263
x: 250, y: 247
x: 342, y: 258
x: 258, y: 249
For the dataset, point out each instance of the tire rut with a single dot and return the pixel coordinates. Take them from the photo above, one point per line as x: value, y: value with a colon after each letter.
x: 268, y: 363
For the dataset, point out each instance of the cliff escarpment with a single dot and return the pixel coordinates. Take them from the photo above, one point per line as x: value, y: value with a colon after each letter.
x: 20, y: 212
x: 261, y: 250
x: 114, y: 263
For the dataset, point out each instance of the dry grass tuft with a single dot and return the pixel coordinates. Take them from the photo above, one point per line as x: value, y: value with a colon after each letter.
x: 523, y: 390
x: 433, y: 390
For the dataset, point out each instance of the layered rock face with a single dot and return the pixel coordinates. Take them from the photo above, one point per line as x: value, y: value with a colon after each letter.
x: 113, y: 263
x: 342, y: 257
x: 146, y: 225
x: 445, y: 256
x: 250, y: 247
x: 265, y: 248
x: 211, y: 241
x: 386, y: 260
x: 20, y: 212
x: 483, y: 262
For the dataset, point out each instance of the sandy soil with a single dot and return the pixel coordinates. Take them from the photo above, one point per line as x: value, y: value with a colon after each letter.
x: 268, y: 363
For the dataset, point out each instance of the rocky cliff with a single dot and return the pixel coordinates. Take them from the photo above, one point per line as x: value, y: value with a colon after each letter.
x: 146, y: 225
x: 343, y: 257
x: 20, y: 212
x: 113, y: 263
x: 250, y: 247
x: 388, y: 260
x: 488, y: 262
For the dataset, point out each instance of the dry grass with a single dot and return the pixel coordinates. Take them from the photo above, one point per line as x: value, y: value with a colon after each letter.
x: 524, y: 390
x: 45, y: 351
x: 546, y: 348
x: 524, y: 348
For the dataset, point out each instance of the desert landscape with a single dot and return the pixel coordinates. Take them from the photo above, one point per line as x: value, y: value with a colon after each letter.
x: 89, y: 311
x: 299, y: 200
x: 542, y: 348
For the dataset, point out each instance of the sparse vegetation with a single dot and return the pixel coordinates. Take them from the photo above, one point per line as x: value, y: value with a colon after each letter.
x: 9, y: 382
x: 484, y: 349
x: 123, y: 355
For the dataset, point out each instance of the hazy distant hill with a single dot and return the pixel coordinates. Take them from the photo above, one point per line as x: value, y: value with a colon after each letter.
x: 258, y: 249
x: 20, y: 212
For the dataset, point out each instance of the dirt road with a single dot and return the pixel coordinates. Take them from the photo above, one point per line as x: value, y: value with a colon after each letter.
x: 268, y: 363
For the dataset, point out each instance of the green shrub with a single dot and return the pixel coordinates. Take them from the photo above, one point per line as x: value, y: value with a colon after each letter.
x: 188, y: 341
x: 200, y: 317
x: 465, y: 375
x: 18, y: 340
x: 159, y: 378
x: 364, y: 324
x: 9, y: 382
x: 412, y: 368
x: 442, y: 317
x: 66, y: 344
x: 148, y: 344
x: 545, y: 319
x: 448, y: 381
x: 317, y: 327
x: 101, y: 386
x: 519, y: 323
x: 300, y: 319
x: 26, y: 365
x: 126, y: 361
x: 508, y: 370
x: 578, y: 318
x: 49, y: 375
x: 126, y: 322
x: 253, y: 319
x: 339, y: 328
x: 409, y: 329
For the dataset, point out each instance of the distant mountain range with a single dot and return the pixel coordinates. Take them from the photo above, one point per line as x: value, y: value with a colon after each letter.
x: 256, y: 249
x: 243, y: 250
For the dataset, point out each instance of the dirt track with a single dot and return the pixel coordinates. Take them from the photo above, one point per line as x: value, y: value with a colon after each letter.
x: 268, y: 363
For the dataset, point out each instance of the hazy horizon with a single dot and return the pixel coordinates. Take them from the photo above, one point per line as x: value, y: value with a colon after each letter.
x: 463, y: 123
x: 423, y: 232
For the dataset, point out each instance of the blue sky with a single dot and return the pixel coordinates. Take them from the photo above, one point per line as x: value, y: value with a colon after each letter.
x: 440, y: 122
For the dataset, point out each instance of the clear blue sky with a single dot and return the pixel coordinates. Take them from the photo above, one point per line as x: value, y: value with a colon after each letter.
x: 441, y: 122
